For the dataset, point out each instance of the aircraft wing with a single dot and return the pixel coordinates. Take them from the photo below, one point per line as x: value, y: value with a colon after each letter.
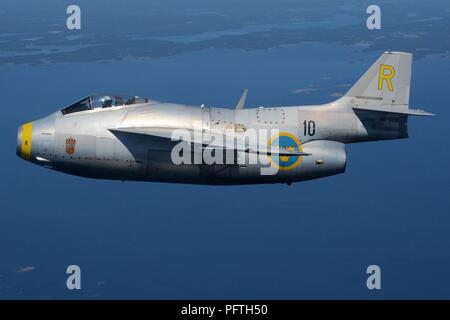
x: 223, y: 144
x: 280, y: 152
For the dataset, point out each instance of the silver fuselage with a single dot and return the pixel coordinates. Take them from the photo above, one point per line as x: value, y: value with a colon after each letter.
x: 99, y: 152
x: 113, y: 137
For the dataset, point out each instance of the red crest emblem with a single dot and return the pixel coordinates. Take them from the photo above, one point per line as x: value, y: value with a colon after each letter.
x: 70, y: 145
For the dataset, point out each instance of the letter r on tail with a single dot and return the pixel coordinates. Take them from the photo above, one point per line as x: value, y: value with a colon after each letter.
x: 386, y: 76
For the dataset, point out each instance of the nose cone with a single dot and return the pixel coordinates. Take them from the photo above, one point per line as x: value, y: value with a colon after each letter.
x: 24, y: 141
x: 35, y: 140
x: 19, y: 142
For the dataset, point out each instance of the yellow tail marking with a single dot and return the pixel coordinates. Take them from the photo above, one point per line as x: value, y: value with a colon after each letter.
x: 27, y: 130
x: 388, y: 77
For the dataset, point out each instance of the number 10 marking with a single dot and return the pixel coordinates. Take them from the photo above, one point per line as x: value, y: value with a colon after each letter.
x: 309, y: 128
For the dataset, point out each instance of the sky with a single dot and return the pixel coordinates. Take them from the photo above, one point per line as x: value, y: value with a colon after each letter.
x: 143, y: 240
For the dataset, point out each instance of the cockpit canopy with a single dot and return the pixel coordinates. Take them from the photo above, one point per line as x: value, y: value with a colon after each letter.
x: 97, y: 101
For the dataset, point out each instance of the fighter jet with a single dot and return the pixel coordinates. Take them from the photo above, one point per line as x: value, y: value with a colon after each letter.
x: 110, y: 136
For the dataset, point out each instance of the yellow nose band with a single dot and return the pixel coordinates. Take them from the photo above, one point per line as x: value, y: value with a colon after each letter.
x: 27, y: 130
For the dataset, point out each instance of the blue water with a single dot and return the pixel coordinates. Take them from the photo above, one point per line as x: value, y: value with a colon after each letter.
x: 335, y: 22
x: 149, y: 240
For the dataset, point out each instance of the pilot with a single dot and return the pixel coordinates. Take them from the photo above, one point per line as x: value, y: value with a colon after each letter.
x: 106, y: 102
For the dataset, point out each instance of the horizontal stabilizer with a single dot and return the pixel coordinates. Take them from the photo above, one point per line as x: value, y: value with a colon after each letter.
x: 391, y: 109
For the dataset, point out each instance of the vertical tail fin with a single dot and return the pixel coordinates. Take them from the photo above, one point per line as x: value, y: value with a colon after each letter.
x: 380, y: 98
x: 387, y: 82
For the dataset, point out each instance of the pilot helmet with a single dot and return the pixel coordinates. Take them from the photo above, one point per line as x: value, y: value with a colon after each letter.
x: 106, y: 101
